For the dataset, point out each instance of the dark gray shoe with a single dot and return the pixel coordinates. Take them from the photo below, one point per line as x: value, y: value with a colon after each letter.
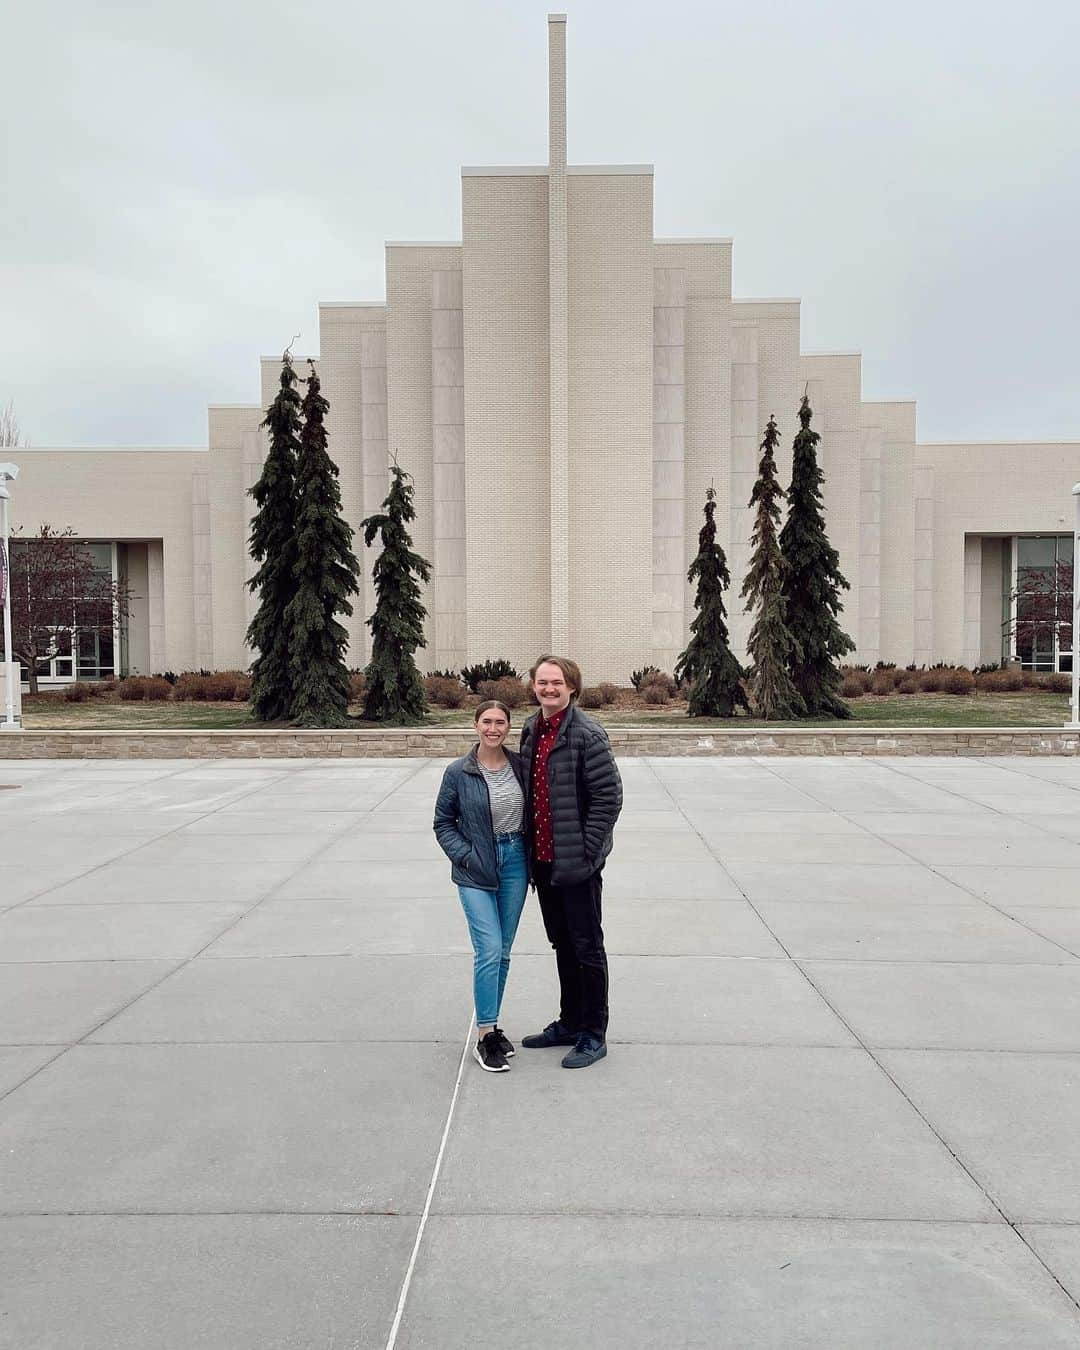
x: 587, y: 1050
x: 506, y: 1045
x: 553, y: 1034
x: 487, y: 1054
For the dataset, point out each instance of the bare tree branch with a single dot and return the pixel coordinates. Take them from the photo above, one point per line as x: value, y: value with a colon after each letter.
x: 9, y: 427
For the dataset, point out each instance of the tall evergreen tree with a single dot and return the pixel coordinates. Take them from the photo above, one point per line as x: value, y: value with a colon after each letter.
x: 394, y: 690
x: 812, y: 582
x: 272, y: 544
x: 708, y: 664
x: 771, y: 646
x: 326, y: 572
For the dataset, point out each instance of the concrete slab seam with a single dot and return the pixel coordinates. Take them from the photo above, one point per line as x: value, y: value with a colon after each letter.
x: 932, y: 867
x: 181, y: 965
x: 1013, y: 1224
x: 183, y: 768
x: 407, y: 1281
x: 332, y: 839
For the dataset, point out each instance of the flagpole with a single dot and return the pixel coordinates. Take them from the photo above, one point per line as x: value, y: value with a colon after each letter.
x: 1074, y: 706
x: 11, y: 722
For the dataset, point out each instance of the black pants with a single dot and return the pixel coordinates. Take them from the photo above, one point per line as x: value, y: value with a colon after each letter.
x: 572, y: 923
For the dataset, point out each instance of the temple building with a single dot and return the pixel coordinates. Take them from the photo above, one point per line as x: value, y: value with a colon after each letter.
x: 564, y: 387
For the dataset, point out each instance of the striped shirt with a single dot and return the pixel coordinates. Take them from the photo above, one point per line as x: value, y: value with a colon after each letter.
x: 507, y: 799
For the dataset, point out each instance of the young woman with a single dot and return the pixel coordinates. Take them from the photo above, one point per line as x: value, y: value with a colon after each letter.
x: 478, y: 823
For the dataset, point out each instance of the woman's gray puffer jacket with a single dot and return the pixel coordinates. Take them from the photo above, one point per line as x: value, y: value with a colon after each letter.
x: 463, y: 821
x: 585, y: 792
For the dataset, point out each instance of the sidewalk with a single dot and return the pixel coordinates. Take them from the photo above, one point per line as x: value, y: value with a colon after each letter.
x: 841, y: 1107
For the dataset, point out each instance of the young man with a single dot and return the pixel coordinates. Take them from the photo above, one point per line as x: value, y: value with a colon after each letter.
x: 573, y: 799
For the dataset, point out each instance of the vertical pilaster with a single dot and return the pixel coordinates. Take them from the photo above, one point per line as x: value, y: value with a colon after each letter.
x: 923, y: 555
x: 253, y: 445
x: 747, y: 429
x: 973, y: 576
x: 558, y: 343
x: 201, y: 586
x: 448, y: 446
x: 155, y: 605
x: 869, y: 634
x: 669, y: 463
x: 374, y: 462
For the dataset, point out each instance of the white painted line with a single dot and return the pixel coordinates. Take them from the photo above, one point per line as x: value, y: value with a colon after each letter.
x: 392, y: 1340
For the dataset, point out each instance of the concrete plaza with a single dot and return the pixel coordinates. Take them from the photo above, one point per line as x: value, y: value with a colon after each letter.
x: 841, y: 1106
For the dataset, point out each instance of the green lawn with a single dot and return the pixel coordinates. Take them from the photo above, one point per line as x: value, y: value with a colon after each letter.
x: 1027, y: 709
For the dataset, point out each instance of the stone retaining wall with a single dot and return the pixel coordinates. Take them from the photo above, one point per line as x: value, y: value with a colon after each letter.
x: 446, y: 743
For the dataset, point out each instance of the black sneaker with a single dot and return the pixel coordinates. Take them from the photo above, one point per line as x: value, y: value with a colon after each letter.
x: 488, y: 1055
x: 586, y: 1051
x: 506, y: 1045
x: 555, y: 1033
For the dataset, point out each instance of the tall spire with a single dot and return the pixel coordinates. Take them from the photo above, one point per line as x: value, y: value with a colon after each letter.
x: 557, y: 90
x: 558, y: 344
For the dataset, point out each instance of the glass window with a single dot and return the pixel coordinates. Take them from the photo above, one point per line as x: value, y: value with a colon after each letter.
x: 95, y: 655
x: 1036, y: 552
x: 1041, y: 604
x: 83, y: 647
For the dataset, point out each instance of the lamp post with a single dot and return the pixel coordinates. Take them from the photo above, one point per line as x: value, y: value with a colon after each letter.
x: 11, y: 722
x: 1074, y: 709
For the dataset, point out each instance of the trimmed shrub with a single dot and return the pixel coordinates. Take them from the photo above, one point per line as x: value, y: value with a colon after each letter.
x: 908, y: 685
x: 190, y: 687
x: 508, y: 690
x: 591, y: 698
x: 958, y: 681
x: 638, y: 677
x: 443, y: 691
x: 1031, y: 679
x: 1001, y: 682
x: 932, y: 681
x: 853, y: 684
x: 655, y: 693
x: 488, y: 672
x: 1056, y: 683
x: 222, y: 686
x: 227, y: 686
x: 662, y: 679
x: 883, y: 682
x: 609, y: 693
x: 148, y: 688
x: 357, y: 686
x: 88, y: 689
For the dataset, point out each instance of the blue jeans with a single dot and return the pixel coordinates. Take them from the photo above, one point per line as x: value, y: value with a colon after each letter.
x: 493, y: 919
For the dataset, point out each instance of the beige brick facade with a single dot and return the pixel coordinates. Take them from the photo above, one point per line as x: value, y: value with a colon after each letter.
x: 564, y: 387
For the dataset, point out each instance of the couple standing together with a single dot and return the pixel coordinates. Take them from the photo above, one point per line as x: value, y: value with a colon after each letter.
x: 545, y: 815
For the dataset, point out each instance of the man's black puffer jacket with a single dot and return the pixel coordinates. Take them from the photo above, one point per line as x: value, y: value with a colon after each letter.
x: 585, y: 792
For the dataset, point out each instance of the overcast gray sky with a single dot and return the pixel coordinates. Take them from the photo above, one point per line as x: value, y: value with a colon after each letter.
x: 182, y: 183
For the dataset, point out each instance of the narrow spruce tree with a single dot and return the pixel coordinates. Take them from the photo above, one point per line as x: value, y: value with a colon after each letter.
x: 326, y: 572
x: 771, y: 646
x: 394, y: 690
x: 708, y: 664
x: 812, y: 583
x: 272, y: 545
